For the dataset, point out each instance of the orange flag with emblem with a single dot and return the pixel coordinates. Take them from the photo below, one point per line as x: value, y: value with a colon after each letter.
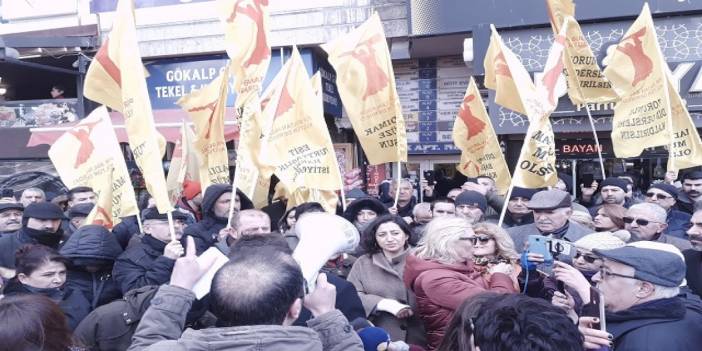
x: 79, y: 162
x: 116, y: 78
x: 299, y: 145
x: 473, y: 134
x: 586, y: 83
x: 206, y: 108
x: 636, y: 70
x: 365, y: 78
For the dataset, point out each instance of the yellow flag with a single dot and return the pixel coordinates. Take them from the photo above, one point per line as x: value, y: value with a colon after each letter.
x: 116, y: 78
x: 366, y: 82
x: 104, y: 213
x: 481, y: 153
x: 327, y: 198
x: 206, y: 108
x: 183, y: 164
x: 586, y: 83
x: 536, y: 166
x: 636, y: 72
x: 87, y: 154
x: 299, y: 146
x: 687, y: 146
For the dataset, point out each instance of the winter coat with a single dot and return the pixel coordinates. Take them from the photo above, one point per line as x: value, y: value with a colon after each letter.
x: 663, y: 324
x: 404, y: 211
x: 693, y: 260
x: 125, y: 230
x: 520, y: 234
x: 376, y: 278
x: 161, y: 328
x: 441, y: 288
x: 681, y: 244
x: 84, y: 248
x: 347, y: 302
x: 142, y: 264
x: 678, y: 224
x: 206, y: 232
x: 110, y: 327
x: 73, y: 303
x: 9, y: 243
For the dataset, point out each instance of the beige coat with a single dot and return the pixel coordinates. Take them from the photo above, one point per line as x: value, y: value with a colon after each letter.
x: 376, y: 278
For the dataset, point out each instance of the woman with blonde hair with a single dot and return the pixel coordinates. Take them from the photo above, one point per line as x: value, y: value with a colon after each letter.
x: 492, y: 246
x: 442, y: 274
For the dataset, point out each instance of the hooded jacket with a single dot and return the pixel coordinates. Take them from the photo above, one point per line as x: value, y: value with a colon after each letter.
x: 663, y: 324
x: 441, y: 288
x: 206, y: 232
x: 142, y: 264
x: 92, y: 245
x: 366, y: 202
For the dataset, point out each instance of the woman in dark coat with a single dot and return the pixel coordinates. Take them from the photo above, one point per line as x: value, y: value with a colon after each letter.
x: 92, y: 251
x: 42, y: 271
x: 377, y: 276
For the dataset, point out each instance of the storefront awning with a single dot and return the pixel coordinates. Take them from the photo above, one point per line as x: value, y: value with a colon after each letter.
x: 168, y: 123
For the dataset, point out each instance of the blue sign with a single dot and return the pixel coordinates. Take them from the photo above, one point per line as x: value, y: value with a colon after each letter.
x: 171, y: 79
x: 331, y: 97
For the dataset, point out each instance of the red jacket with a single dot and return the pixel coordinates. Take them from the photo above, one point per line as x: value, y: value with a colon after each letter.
x: 442, y: 288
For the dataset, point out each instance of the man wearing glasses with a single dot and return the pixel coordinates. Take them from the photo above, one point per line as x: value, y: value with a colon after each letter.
x: 666, y: 195
x: 645, y: 307
x: 647, y: 222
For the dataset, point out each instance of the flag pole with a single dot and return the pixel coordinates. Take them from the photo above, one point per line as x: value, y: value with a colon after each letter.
x: 597, y: 140
x: 527, y: 137
x: 399, y: 180
x: 141, y: 226
x: 343, y: 194
x: 171, y: 228
x: 504, y: 206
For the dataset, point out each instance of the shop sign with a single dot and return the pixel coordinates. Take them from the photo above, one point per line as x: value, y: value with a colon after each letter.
x: 582, y: 148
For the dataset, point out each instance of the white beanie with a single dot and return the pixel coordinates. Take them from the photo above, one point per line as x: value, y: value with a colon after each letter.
x: 599, y: 240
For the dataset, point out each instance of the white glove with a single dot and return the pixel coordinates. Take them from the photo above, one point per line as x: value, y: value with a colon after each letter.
x: 390, y: 306
x: 398, y: 346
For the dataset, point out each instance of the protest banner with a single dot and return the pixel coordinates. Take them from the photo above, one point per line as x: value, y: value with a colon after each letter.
x: 481, y: 153
x: 642, y: 116
x: 103, y: 213
x: 206, y: 108
x: 78, y: 161
x: 184, y: 164
x: 116, y: 78
x: 686, y: 143
x: 299, y: 145
x: 365, y: 78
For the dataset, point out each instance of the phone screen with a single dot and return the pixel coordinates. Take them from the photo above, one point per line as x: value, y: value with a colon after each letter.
x: 540, y: 245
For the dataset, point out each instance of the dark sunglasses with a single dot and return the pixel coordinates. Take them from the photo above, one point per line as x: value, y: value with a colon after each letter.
x: 482, y: 239
x: 639, y: 221
x: 586, y: 257
x: 658, y: 196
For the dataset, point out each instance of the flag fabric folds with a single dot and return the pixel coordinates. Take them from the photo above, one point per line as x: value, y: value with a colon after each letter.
x: 365, y: 79
x: 102, y: 213
x: 481, y: 153
x: 206, y: 108
x: 78, y: 161
x: 116, y: 78
x: 184, y: 164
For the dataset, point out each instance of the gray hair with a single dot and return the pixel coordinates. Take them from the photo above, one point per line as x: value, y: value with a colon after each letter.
x: 36, y: 190
x: 656, y: 211
x: 665, y: 292
x: 438, y: 242
x: 422, y: 206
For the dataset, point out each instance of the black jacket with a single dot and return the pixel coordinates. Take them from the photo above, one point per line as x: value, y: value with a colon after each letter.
x: 72, y: 302
x: 85, y: 248
x: 678, y: 223
x: 9, y: 244
x: 693, y: 260
x: 125, y: 230
x: 664, y: 324
x: 142, y: 264
x: 404, y: 211
x: 206, y: 232
x: 347, y: 301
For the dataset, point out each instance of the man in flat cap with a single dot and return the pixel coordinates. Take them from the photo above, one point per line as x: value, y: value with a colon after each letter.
x: 10, y: 216
x: 41, y: 224
x: 76, y: 217
x: 665, y: 196
x: 552, y: 210
x: 645, y: 308
x: 151, y: 261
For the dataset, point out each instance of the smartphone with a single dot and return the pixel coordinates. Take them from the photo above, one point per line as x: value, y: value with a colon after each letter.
x: 430, y: 176
x: 541, y: 245
x: 596, y: 308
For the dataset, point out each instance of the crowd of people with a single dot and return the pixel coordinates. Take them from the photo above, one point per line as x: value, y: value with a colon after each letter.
x: 618, y: 267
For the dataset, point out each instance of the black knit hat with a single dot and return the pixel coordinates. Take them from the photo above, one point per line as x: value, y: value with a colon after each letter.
x: 670, y: 189
x: 80, y: 210
x: 523, y: 193
x: 152, y: 213
x: 472, y: 198
x: 43, y: 210
x: 614, y: 181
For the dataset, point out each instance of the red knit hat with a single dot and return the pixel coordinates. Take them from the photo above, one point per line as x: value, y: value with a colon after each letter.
x: 191, y: 189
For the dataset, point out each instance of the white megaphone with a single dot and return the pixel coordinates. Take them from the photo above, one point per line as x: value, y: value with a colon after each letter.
x: 322, y: 236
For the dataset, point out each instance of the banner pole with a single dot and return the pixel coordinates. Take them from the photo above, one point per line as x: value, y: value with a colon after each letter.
x: 141, y: 226
x: 343, y: 194
x: 527, y: 137
x: 504, y: 207
x: 399, y: 183
x: 171, y: 228
x: 597, y: 141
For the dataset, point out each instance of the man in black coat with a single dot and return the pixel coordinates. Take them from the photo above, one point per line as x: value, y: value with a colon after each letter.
x: 41, y: 222
x: 666, y: 195
x: 92, y: 251
x: 151, y: 261
x: 215, y: 212
x: 693, y: 257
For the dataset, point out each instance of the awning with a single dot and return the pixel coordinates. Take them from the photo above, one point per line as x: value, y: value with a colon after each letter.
x: 168, y: 123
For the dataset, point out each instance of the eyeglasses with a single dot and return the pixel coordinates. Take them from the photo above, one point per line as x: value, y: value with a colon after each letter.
x: 659, y: 196
x: 483, y: 239
x: 606, y: 274
x: 639, y: 221
x: 586, y: 257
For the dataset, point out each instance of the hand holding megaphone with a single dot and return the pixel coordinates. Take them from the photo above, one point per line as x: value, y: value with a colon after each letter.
x: 322, y: 236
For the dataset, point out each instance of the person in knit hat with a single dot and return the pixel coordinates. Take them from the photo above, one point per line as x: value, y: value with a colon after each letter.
x: 518, y: 212
x: 41, y: 224
x: 191, y: 199
x: 612, y: 190
x: 666, y: 196
x: 471, y: 205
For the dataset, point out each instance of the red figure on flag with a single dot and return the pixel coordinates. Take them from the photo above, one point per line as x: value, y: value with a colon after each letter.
x: 471, y: 163
x: 376, y: 79
x: 642, y: 63
x: 473, y: 123
x: 550, y: 78
x: 86, y: 146
x: 501, y: 67
x: 211, y: 106
x: 105, y: 220
x: 103, y: 57
x: 285, y: 103
x: 254, y: 11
